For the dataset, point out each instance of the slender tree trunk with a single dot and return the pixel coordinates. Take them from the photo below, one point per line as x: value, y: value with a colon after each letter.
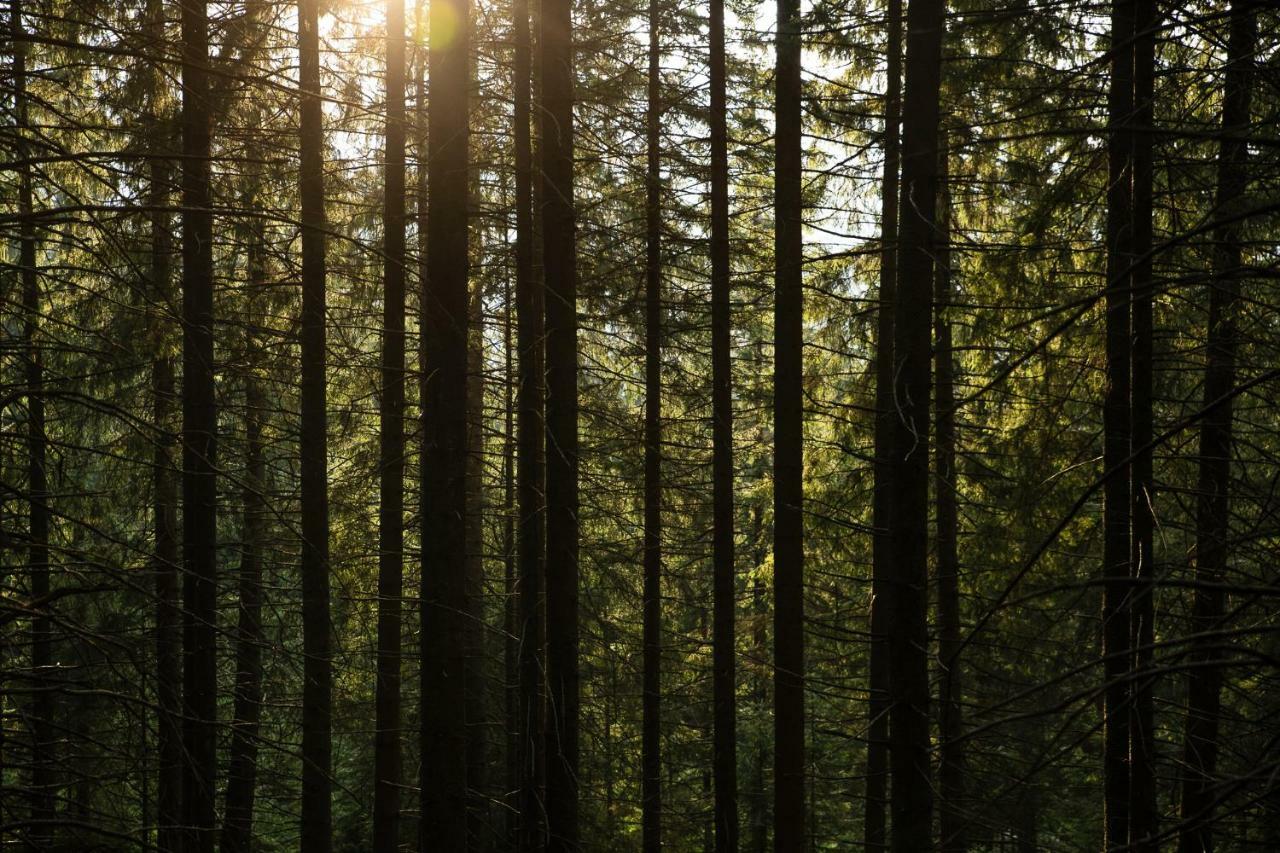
x: 510, y: 588
x: 386, y: 798
x: 168, y: 637
x: 43, y: 780
x: 1213, y: 518
x: 651, y: 739
x: 555, y: 48
x: 443, y: 484
x: 724, y: 594
x: 530, y: 532
x: 1117, y: 429
x: 1143, y: 814
x: 906, y: 610
x: 317, y: 709
x: 199, y: 426
x: 476, y: 682
x: 237, y: 829
x: 874, y: 834
x: 950, y: 723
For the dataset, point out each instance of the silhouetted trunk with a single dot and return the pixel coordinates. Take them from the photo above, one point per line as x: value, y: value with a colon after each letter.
x: 387, y: 760
x: 1213, y: 518
x: 555, y: 54
x: 651, y: 737
x: 43, y: 781
x: 788, y: 450
x: 950, y: 723
x: 168, y: 636
x: 317, y: 673
x: 477, y: 707
x: 1117, y: 433
x: 724, y: 593
x: 530, y: 532
x: 199, y: 425
x: 874, y: 834
x: 237, y: 829
x: 906, y: 610
x: 1143, y: 814
x: 510, y: 588
x: 443, y: 484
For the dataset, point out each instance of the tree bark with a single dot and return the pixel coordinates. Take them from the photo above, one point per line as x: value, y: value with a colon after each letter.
x: 906, y: 588
x: 788, y: 460
x: 951, y: 764
x: 387, y: 759
x: 1117, y: 429
x: 555, y: 49
x: 875, y: 836
x: 724, y: 594
x: 199, y: 427
x: 1213, y: 518
x: 317, y: 708
x: 445, y: 310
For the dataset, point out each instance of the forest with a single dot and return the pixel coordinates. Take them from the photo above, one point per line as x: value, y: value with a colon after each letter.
x: 539, y: 426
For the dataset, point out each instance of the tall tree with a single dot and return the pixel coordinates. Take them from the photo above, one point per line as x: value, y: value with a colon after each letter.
x: 724, y: 594
x: 530, y: 468
x: 877, y: 770
x: 950, y: 725
x: 555, y: 61
x: 242, y: 765
x: 1117, y: 431
x: 1213, y: 509
x: 199, y: 428
x: 651, y: 735
x: 387, y: 771
x: 445, y: 309
x: 1143, y: 812
x: 317, y: 673
x: 43, y: 781
x: 906, y: 611
x: 788, y: 449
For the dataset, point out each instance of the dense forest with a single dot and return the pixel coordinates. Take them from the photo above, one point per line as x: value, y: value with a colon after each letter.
x: 538, y: 425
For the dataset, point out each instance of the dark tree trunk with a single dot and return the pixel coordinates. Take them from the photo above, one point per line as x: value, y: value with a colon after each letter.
x: 651, y: 738
x: 906, y: 588
x: 510, y: 589
x: 1117, y: 430
x: 387, y: 760
x: 530, y: 532
x: 443, y: 486
x: 555, y: 49
x: 317, y: 708
x: 950, y: 723
x: 788, y: 452
x: 237, y: 828
x: 477, y: 706
x: 1143, y: 814
x: 168, y: 637
x: 43, y: 780
x: 724, y: 594
x: 199, y: 425
x: 874, y: 834
x: 1213, y: 519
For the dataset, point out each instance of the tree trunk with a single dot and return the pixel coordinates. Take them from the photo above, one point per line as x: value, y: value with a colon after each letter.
x: 387, y: 760
x: 317, y: 708
x: 950, y: 723
x: 651, y: 739
x: 445, y: 310
x: 874, y: 834
x: 530, y: 532
x: 1213, y: 518
x: 237, y: 829
x: 476, y: 681
x: 788, y: 459
x: 555, y: 48
x: 906, y: 610
x: 1117, y: 429
x: 199, y: 426
x: 1143, y: 813
x: 724, y: 595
